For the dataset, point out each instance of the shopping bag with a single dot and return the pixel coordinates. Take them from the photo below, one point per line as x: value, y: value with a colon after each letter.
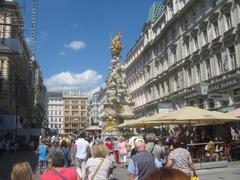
x: 194, y: 178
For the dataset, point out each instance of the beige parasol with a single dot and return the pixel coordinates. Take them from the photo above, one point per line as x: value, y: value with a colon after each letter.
x: 93, y: 128
x: 235, y: 112
x: 199, y: 116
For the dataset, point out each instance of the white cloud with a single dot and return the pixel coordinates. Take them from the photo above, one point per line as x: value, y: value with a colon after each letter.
x: 76, y: 45
x: 62, y: 53
x: 85, y: 81
x: 96, y: 89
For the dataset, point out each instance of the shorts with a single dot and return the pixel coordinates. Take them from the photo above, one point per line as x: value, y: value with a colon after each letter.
x: 42, y: 165
x: 123, y: 158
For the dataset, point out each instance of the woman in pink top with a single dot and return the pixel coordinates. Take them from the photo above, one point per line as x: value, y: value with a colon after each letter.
x: 122, y: 150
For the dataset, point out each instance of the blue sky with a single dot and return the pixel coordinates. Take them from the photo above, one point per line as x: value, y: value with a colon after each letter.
x: 73, y: 37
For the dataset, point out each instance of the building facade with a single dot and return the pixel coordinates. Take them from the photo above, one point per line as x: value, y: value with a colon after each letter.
x: 56, y: 111
x: 93, y: 105
x: 101, y: 109
x: 15, y: 96
x: 75, y: 112
x: 188, y: 55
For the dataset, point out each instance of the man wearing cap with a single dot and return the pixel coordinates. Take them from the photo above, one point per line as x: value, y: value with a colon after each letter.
x: 142, y: 163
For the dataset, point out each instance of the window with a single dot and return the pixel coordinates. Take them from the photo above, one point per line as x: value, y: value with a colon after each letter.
x: 199, y: 79
x: 174, y: 56
x: 219, y: 64
x: 177, y: 84
x: 232, y: 57
x: 236, y: 96
x: 200, y: 103
x: 74, y: 106
x: 215, y: 29
x: 214, y: 3
x: 195, y: 40
x: 190, y: 77
x: 211, y: 103
x: 173, y: 35
x: 186, y: 24
x: 187, y: 48
x: 194, y: 17
x: 208, y: 69
x: 205, y: 36
x: 228, y: 21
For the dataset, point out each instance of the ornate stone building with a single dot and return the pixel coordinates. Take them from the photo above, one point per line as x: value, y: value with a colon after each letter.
x: 189, y: 54
x: 93, y: 107
x: 75, y: 112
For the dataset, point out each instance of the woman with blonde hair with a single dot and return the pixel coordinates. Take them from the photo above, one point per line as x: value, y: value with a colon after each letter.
x: 100, y: 164
x: 22, y: 170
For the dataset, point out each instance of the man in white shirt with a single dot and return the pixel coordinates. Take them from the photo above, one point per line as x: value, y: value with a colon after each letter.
x: 81, y: 152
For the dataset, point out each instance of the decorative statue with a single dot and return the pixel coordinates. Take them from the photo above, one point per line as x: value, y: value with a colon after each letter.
x: 116, y: 46
x: 111, y: 124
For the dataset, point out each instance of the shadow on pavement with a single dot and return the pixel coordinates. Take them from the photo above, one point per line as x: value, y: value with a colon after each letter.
x: 7, y: 160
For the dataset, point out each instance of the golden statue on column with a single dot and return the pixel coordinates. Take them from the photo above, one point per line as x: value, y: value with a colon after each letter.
x: 116, y: 45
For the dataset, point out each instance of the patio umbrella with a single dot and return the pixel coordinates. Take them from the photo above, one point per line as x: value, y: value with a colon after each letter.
x: 199, y: 116
x: 93, y: 128
x: 235, y: 112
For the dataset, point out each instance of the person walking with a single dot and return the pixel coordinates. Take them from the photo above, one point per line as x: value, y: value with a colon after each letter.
x: 100, y: 164
x: 142, y: 163
x: 57, y: 171
x: 66, y: 152
x: 153, y: 147
x: 180, y: 158
x: 42, y: 151
x: 122, y: 149
x: 81, y: 153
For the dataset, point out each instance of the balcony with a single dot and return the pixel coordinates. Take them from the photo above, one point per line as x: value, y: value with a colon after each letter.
x: 11, y: 46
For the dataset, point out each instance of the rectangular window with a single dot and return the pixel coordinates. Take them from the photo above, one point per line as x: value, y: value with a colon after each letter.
x: 215, y: 29
x: 194, y: 17
x: 190, y: 77
x: 174, y: 56
x: 219, y: 64
x: 214, y: 3
x: 186, y: 24
x: 173, y: 35
x: 195, y: 40
x: 199, y: 79
x: 187, y: 48
x: 232, y: 57
x: 208, y: 69
x: 205, y: 36
x: 228, y: 21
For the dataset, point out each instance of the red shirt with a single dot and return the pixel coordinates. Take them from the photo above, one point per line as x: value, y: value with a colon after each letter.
x: 109, y: 145
x: 68, y: 173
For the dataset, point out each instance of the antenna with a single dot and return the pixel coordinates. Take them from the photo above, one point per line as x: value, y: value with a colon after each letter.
x: 33, y: 27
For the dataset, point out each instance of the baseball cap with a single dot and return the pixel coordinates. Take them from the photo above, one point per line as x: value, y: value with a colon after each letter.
x: 139, y: 141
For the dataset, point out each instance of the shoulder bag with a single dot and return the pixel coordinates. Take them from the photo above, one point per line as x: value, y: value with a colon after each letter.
x: 96, y: 171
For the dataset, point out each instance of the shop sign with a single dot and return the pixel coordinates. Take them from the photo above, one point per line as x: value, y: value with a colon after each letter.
x: 223, y: 85
x: 220, y: 97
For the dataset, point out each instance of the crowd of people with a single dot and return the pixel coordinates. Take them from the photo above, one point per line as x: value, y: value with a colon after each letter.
x: 94, y: 157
